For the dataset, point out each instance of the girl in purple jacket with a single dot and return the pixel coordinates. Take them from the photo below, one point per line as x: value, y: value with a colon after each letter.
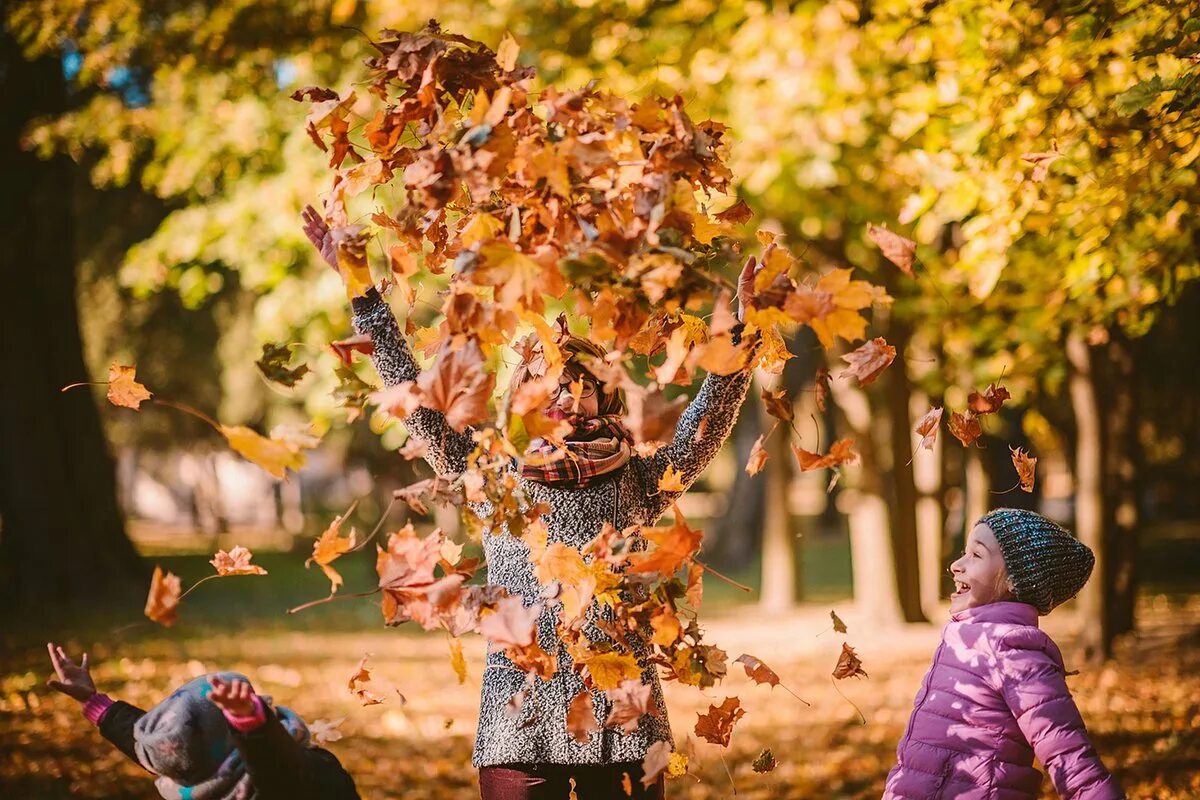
x: 996, y: 694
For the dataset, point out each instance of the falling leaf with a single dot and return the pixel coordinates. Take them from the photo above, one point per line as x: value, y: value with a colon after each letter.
x: 631, y: 700
x: 459, y: 385
x: 965, y: 427
x: 672, y: 548
x: 609, y: 670
x: 757, y: 671
x: 990, y: 401
x: 657, y: 760
x: 1042, y: 161
x: 581, y: 717
x: 869, y: 360
x: 512, y: 623
x: 236, y: 562
x: 671, y: 480
x: 716, y: 726
x: 778, y: 404
x: 896, y: 249
x: 457, y: 661
x: 274, y: 365
x: 927, y: 427
x: 838, y: 625
x: 758, y: 457
x: 284, y: 450
x: 329, y: 546
x: 324, y: 731
x: 695, y: 586
x: 162, y: 604
x: 849, y: 665
x: 821, y: 384
x: 1026, y: 466
x: 765, y: 762
x: 359, y: 679
x: 839, y: 454
x: 123, y: 390
x: 345, y: 349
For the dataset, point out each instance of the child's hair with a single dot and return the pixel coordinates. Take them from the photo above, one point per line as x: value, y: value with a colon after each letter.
x: 1045, y: 564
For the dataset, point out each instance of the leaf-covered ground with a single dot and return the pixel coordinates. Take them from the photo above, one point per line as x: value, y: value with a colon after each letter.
x: 1143, y: 709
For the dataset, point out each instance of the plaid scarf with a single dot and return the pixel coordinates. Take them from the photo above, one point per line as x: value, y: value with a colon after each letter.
x: 596, y: 447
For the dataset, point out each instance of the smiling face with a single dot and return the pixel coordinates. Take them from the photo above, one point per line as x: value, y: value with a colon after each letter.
x: 979, y: 574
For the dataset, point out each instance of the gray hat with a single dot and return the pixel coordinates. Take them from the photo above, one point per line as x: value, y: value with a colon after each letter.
x: 1046, y: 564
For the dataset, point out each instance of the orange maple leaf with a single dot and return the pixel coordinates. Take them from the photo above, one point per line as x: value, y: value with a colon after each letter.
x: 236, y: 562
x: 162, y: 604
x: 716, y: 726
x: 123, y: 390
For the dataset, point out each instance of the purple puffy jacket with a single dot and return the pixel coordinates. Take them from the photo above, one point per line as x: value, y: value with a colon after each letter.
x: 995, y: 696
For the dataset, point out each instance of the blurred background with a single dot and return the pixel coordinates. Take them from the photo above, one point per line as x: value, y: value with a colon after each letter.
x: 1043, y: 156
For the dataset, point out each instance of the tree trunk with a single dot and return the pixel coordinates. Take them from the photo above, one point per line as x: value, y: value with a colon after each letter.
x: 1122, y: 484
x: 62, y: 535
x: 1096, y: 633
x: 737, y: 535
x: 930, y: 515
x: 779, y: 573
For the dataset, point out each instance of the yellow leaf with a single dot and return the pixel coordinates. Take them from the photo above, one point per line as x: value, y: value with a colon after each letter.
x: 162, y: 604
x: 479, y: 228
x: 123, y: 390
x: 671, y: 480
x: 457, y: 661
x: 609, y: 669
x: 276, y: 455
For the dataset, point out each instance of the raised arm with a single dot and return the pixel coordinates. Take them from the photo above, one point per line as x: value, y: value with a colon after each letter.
x: 446, y: 449
x: 1034, y: 687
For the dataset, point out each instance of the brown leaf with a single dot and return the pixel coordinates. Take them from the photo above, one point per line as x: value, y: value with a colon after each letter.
x: 459, y: 386
x: 360, y: 678
x: 1026, y: 466
x: 673, y: 547
x: 345, y: 349
x: 123, y: 390
x: 839, y: 454
x: 757, y: 671
x: 657, y: 760
x: 236, y: 562
x: 631, y: 700
x: 162, y: 604
x: 1042, y: 161
x: 581, y: 717
x: 328, y: 547
x: 900, y: 251
x: 778, y: 404
x: 716, y: 726
x: 512, y: 623
x: 765, y: 762
x: 838, y: 625
x: 869, y: 360
x: 274, y: 365
x: 965, y: 427
x: 927, y: 427
x: 990, y: 401
x: 758, y: 457
x: 821, y: 383
x: 737, y: 213
x: 849, y: 665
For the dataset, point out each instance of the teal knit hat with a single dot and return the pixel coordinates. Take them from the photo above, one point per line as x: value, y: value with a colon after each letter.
x: 1046, y: 564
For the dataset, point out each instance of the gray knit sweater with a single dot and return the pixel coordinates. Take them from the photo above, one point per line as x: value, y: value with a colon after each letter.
x: 538, y: 733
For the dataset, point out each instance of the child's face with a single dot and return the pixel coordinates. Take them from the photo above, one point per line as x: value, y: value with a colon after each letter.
x: 979, y: 574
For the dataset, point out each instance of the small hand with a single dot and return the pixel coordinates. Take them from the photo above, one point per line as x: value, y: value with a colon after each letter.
x: 319, y: 234
x: 745, y: 290
x: 236, y: 697
x: 73, y: 679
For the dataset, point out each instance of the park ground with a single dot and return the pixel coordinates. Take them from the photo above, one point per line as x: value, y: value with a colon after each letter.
x: 1143, y: 708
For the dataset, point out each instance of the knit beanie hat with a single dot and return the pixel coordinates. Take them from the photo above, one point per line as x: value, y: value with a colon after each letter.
x: 1046, y: 564
x: 186, y: 741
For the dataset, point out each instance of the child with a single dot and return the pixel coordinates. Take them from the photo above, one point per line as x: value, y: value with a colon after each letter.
x: 212, y: 739
x: 996, y: 694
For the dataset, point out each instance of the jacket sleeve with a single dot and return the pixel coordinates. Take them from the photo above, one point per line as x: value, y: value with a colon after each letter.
x: 702, y: 429
x: 281, y: 767
x: 1033, y: 683
x: 446, y: 449
x: 117, y: 726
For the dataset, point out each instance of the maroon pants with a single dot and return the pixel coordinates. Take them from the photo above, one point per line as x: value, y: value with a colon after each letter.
x: 553, y: 782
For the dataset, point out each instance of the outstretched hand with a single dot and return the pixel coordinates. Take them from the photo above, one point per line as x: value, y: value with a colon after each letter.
x: 319, y: 234
x: 235, y: 697
x: 71, y: 679
x: 745, y: 289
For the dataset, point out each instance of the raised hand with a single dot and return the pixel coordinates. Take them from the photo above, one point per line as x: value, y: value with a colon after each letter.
x: 71, y: 679
x: 745, y: 289
x: 319, y: 234
x: 235, y: 697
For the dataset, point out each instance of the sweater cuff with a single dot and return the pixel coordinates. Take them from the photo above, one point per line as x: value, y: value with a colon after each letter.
x: 96, y: 707
x: 247, y: 723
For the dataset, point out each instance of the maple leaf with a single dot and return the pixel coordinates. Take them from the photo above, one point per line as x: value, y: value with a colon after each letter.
x: 821, y: 385
x: 284, y: 449
x: 701, y: 665
x: 512, y: 623
x: 716, y: 725
x: 758, y: 457
x: 848, y: 665
x: 631, y: 700
x: 990, y: 401
x: 162, y: 604
x: 778, y: 404
x: 350, y: 243
x: 839, y: 454
x: 274, y: 365
x: 324, y: 731
x: 764, y: 762
x: 437, y: 489
x: 328, y: 547
x: 848, y: 298
x: 838, y: 625
x: 757, y: 671
x: 459, y: 386
x: 671, y: 480
x: 123, y: 390
x: 965, y: 427
x: 673, y: 547
x: 927, y: 427
x: 358, y: 680
x: 896, y: 249
x: 738, y: 213
x: 236, y: 562
x: 657, y: 761
x: 581, y: 717
x: 345, y: 349
x: 869, y: 360
x: 1025, y: 465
